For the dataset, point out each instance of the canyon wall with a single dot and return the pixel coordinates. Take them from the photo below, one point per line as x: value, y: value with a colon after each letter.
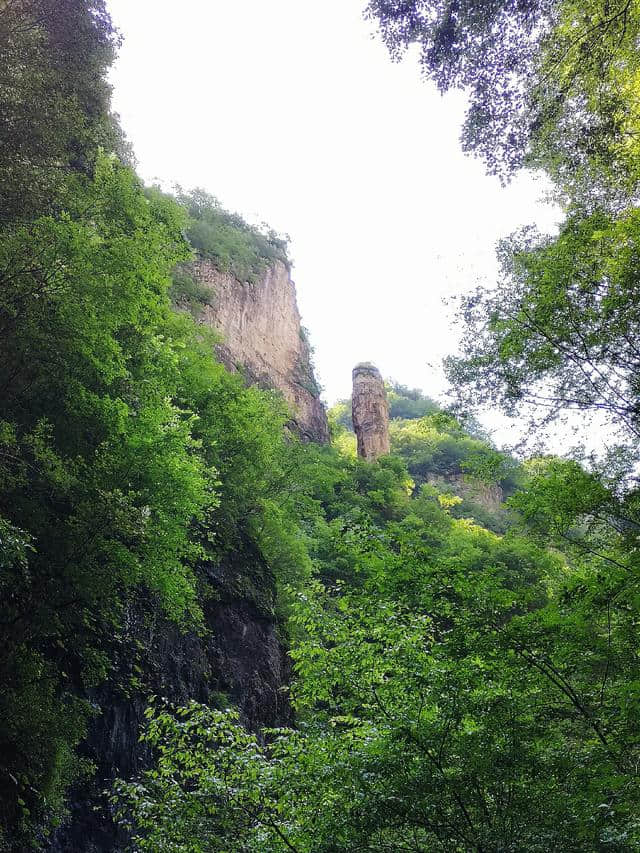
x: 262, y: 335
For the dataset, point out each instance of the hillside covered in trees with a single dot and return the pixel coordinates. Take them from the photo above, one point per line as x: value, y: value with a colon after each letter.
x: 215, y: 636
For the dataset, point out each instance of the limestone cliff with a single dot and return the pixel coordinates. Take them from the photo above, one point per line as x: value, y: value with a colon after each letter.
x: 262, y: 335
x: 370, y: 412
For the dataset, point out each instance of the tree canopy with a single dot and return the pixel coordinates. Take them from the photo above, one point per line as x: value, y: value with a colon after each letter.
x: 559, y: 332
x: 454, y: 689
x: 551, y: 83
x: 54, y: 99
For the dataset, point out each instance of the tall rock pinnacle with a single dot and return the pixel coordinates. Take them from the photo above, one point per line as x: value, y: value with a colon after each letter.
x: 370, y: 412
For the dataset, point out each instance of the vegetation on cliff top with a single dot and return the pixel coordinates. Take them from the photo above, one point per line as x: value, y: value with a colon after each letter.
x: 228, y: 240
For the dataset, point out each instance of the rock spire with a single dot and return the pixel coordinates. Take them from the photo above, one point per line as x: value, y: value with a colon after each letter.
x: 370, y: 412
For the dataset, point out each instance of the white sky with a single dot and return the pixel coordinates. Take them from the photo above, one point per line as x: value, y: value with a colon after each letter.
x: 291, y: 112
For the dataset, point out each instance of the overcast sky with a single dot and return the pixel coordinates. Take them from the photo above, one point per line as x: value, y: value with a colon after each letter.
x: 291, y: 112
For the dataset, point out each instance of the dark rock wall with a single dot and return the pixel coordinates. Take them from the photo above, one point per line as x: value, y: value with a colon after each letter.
x: 239, y: 660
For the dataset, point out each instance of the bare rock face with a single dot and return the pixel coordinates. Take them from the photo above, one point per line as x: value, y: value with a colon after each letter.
x: 262, y: 335
x: 370, y: 412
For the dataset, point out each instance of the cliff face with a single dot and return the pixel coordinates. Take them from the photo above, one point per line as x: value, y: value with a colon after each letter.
x: 239, y: 660
x: 370, y: 412
x: 262, y: 334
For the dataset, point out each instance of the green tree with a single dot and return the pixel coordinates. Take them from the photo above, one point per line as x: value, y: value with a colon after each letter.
x: 458, y: 690
x: 559, y: 332
x: 98, y: 464
x: 54, y: 99
x: 552, y: 83
x: 131, y: 464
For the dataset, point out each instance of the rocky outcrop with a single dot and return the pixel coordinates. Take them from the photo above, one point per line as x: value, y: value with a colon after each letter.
x: 262, y: 335
x: 370, y: 412
x: 487, y: 495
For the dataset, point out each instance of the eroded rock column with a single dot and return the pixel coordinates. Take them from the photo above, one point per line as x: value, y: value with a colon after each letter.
x: 370, y: 412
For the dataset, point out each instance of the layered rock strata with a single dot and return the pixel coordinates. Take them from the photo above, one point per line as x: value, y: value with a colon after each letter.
x: 370, y: 412
x: 262, y: 335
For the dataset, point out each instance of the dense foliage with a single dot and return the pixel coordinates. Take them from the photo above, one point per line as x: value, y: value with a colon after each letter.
x: 465, y: 679
x: 120, y: 438
x: 559, y: 333
x: 54, y: 99
x: 551, y: 83
x: 227, y: 240
x: 455, y: 690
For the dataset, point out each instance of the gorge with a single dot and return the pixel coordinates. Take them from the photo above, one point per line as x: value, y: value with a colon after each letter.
x: 232, y: 621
